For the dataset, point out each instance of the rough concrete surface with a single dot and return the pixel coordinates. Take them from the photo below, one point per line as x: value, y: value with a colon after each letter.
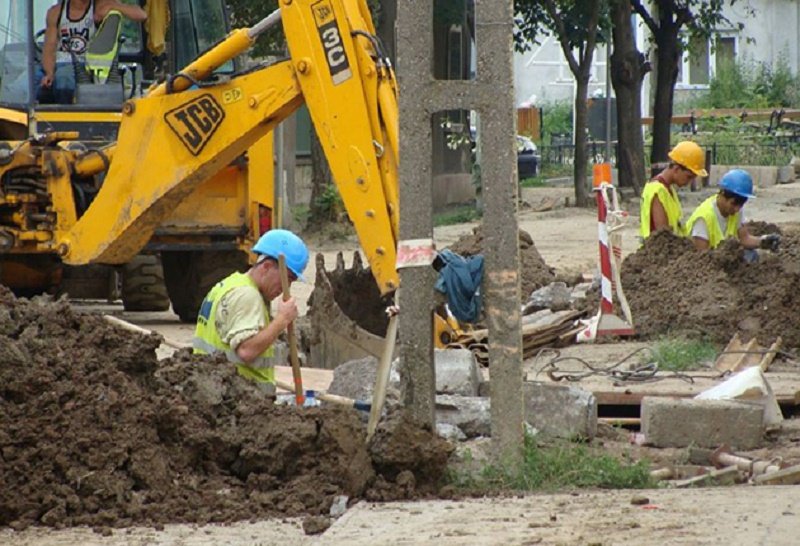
x: 560, y: 411
x: 672, y: 422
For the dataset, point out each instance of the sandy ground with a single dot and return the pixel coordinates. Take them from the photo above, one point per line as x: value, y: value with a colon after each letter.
x: 567, y: 239
x: 745, y: 515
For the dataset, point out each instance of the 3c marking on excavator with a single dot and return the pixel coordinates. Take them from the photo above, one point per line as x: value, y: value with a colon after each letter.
x: 328, y: 29
x: 195, y: 121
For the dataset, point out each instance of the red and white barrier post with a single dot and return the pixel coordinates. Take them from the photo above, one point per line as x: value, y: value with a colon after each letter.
x: 606, y: 322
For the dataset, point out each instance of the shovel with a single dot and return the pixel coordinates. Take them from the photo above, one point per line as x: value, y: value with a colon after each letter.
x: 298, y: 379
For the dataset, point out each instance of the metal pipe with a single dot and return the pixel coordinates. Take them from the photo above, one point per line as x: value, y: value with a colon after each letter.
x: 264, y: 24
x: 31, y: 52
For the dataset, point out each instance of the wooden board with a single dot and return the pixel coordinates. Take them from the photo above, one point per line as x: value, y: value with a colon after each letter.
x: 786, y: 387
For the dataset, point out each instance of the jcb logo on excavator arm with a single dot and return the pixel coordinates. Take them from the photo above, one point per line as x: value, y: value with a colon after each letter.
x: 194, y: 122
x: 331, y: 39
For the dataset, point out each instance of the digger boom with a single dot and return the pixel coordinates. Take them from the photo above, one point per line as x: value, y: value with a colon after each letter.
x: 187, y: 129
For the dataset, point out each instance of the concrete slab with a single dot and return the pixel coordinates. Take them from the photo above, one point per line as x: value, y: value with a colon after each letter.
x: 560, y: 411
x: 673, y: 422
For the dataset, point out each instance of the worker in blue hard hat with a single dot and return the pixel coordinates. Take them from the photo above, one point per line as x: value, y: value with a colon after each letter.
x: 234, y: 318
x: 721, y: 216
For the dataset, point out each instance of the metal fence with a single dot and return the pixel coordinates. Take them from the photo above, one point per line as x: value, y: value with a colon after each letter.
x: 744, y: 153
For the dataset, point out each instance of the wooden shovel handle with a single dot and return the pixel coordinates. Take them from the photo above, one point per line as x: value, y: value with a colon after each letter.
x: 298, y: 379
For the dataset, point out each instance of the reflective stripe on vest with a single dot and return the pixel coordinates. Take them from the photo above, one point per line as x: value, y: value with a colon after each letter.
x: 715, y: 233
x: 669, y: 200
x: 208, y: 341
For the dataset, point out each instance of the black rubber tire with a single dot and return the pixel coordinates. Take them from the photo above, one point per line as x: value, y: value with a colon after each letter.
x: 189, y: 275
x: 143, y: 287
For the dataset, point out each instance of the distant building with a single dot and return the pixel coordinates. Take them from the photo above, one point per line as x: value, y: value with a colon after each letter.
x: 769, y: 36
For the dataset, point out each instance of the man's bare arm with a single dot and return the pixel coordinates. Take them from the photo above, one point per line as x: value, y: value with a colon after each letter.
x: 50, y: 45
x: 658, y: 216
x: 132, y: 12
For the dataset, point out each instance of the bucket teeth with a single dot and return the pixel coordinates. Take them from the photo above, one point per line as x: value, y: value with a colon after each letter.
x: 339, y: 262
x: 358, y: 264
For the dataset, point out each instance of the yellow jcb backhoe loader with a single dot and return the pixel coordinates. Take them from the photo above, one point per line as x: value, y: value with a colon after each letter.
x: 176, y: 165
x: 198, y: 239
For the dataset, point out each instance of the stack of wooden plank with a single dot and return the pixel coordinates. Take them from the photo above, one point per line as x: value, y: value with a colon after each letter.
x: 542, y: 328
x: 737, y: 355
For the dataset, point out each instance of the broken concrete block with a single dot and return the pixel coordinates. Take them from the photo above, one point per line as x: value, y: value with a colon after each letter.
x: 471, y: 414
x: 356, y: 379
x: 450, y: 432
x: 560, y: 411
x: 674, y: 422
x: 554, y: 296
x: 457, y: 372
x: 786, y: 174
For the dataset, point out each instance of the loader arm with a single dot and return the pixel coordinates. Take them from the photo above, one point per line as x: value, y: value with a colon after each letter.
x: 186, y: 130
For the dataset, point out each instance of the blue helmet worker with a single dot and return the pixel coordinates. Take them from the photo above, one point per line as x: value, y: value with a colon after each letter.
x: 722, y: 216
x: 234, y: 318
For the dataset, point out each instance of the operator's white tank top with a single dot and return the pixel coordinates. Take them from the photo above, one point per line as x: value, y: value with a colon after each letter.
x: 74, y: 35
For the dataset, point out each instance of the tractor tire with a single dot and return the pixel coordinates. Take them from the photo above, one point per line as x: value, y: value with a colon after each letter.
x: 189, y: 275
x: 143, y: 287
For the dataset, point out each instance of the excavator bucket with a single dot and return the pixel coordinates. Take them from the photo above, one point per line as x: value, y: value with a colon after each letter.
x: 347, y: 314
x: 348, y: 319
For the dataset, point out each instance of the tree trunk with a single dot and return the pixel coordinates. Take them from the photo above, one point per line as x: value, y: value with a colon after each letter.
x: 320, y: 181
x: 581, y: 122
x: 628, y: 68
x: 668, y: 54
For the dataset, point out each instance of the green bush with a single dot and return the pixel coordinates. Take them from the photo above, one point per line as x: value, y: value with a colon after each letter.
x: 556, y: 119
x: 746, y: 84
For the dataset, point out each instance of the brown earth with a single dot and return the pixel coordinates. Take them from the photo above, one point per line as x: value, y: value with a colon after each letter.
x: 94, y: 430
x: 534, y: 272
x: 676, y: 290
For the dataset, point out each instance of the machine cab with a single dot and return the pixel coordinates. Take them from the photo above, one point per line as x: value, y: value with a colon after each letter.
x: 134, y: 54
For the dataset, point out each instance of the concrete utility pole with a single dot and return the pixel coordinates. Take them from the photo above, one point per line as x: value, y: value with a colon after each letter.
x: 491, y: 94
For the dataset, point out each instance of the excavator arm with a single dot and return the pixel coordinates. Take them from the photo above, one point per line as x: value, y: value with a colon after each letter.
x: 191, y: 126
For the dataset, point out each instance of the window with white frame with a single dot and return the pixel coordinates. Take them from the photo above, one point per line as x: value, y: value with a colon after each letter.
x: 701, y: 60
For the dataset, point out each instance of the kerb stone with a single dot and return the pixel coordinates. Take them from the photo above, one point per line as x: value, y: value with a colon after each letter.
x: 676, y: 422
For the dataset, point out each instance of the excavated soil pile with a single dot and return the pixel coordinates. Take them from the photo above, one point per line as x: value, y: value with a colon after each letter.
x: 95, y: 431
x: 535, y: 273
x: 673, y: 289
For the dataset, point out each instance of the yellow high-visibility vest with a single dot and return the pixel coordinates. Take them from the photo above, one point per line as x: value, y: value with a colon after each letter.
x: 669, y: 200
x: 207, y: 340
x: 715, y: 234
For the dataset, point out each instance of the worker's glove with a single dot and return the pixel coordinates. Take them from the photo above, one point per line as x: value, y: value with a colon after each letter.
x: 771, y: 241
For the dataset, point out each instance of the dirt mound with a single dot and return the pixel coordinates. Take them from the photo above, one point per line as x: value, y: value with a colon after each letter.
x: 95, y: 431
x: 535, y: 273
x: 674, y: 289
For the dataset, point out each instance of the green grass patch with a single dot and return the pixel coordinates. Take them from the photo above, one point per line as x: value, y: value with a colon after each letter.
x: 680, y: 354
x: 535, y: 182
x: 456, y: 215
x: 560, y: 466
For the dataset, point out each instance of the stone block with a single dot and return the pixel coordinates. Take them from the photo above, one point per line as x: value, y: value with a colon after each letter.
x: 471, y: 414
x: 675, y: 422
x: 560, y: 411
x: 457, y: 372
x: 763, y: 176
x: 786, y: 174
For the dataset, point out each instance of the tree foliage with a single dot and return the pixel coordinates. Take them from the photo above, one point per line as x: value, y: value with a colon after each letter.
x: 673, y: 24
x: 578, y: 25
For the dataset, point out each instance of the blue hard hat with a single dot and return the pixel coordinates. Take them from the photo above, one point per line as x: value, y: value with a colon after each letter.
x: 738, y: 182
x: 280, y: 241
